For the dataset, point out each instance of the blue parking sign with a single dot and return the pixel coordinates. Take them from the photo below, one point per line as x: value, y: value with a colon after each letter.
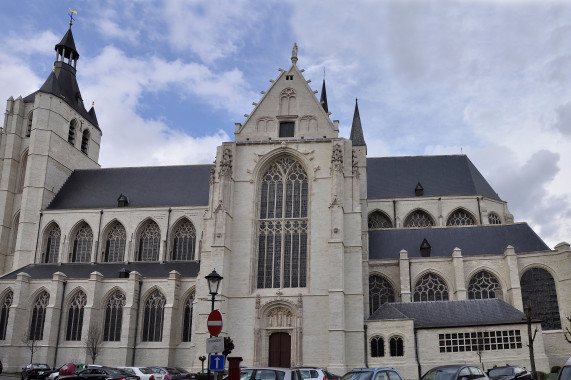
x: 216, y: 363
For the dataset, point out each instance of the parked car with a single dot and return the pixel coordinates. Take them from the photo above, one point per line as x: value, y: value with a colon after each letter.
x: 509, y: 372
x: 565, y: 372
x: 186, y: 375
x: 100, y: 373
x: 144, y: 373
x: 455, y: 372
x: 330, y: 376
x: 372, y: 374
x: 269, y: 373
x: 32, y: 371
x: 54, y: 373
x: 169, y: 373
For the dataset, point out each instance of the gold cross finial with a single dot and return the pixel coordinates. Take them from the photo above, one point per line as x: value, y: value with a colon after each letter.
x: 71, y: 13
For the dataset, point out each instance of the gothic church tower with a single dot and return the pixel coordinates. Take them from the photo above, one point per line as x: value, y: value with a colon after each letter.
x: 45, y: 136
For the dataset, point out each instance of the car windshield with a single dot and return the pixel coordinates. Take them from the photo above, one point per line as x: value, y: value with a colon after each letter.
x: 40, y: 366
x: 146, y: 371
x: 441, y: 374
x: 358, y: 375
x: 565, y: 373
x: 500, y: 372
x: 116, y: 371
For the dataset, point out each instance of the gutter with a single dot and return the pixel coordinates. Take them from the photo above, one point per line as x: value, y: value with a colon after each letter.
x: 365, y: 327
x: 136, y: 323
x: 37, y: 237
x: 59, y: 323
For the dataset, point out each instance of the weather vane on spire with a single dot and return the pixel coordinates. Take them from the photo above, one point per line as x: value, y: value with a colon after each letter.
x: 294, y: 54
x: 71, y: 13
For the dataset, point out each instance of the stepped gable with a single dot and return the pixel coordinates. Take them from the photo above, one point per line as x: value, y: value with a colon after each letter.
x: 393, y: 177
x: 472, y: 240
x: 158, y: 186
x: 458, y: 313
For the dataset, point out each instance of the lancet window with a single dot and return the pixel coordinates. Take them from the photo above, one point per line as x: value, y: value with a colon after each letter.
x: 396, y: 346
x: 114, y: 317
x: 184, y: 242
x: 149, y: 242
x: 53, y: 237
x: 378, y: 220
x: 5, y: 313
x: 85, y: 141
x: 115, y: 243
x: 377, y: 347
x: 380, y: 292
x: 283, y: 225
x: 75, y: 316
x: 430, y: 287
x: 484, y: 285
x: 82, y: 245
x: 153, y: 317
x: 39, y: 316
x: 419, y: 218
x: 493, y: 218
x: 187, y: 319
x: 71, y: 133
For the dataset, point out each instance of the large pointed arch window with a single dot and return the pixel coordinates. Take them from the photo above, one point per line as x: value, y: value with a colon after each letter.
x: 380, y: 292
x: 53, y: 237
x: 184, y: 242
x: 149, y: 242
x: 282, y: 225
x: 419, y: 218
x: 114, y: 317
x: 538, y: 286
x: 187, y: 320
x: 484, y: 285
x: 153, y: 317
x: 39, y: 316
x: 75, y: 316
x: 82, y: 245
x: 378, y: 219
x: 460, y: 217
x: 430, y: 287
x: 5, y: 314
x: 115, y: 243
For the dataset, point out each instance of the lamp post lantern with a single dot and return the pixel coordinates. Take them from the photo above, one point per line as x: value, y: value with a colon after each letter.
x: 214, y: 280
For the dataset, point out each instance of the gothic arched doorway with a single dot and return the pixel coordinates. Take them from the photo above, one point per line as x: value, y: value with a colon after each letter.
x: 280, y: 350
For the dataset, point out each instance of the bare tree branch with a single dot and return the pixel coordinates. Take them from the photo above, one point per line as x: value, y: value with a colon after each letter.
x: 93, y: 340
x: 567, y: 332
x: 31, y: 344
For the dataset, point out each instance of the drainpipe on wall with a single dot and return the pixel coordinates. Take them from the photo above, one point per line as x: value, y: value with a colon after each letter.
x: 416, y: 353
x: 98, y: 236
x: 136, y: 324
x: 37, y: 237
x: 59, y: 323
x: 167, y: 237
x: 479, y: 210
x: 366, y: 351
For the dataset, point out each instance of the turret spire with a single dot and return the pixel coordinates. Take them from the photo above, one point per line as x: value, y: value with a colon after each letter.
x: 356, y: 129
x: 323, y: 99
x: 294, y: 54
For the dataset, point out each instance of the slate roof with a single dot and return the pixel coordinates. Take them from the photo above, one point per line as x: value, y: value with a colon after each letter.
x: 472, y: 240
x: 108, y: 270
x: 390, y: 177
x: 158, y: 186
x: 68, y: 43
x: 457, y: 313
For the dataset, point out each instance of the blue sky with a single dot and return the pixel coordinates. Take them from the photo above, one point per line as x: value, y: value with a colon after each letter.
x: 490, y: 79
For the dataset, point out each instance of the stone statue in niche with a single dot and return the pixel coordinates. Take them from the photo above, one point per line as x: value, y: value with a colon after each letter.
x: 355, y: 163
x: 280, y: 317
x: 337, y: 158
x: 226, y: 163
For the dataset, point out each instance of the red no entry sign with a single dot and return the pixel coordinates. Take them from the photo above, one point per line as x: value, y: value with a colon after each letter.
x: 214, y: 323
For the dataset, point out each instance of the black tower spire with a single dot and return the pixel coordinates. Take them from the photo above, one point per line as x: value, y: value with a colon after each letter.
x: 356, y: 129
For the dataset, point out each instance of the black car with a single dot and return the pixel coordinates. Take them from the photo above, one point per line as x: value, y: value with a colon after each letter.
x: 509, y: 372
x: 101, y: 373
x: 455, y: 372
x: 170, y: 373
x: 186, y: 375
x: 32, y: 371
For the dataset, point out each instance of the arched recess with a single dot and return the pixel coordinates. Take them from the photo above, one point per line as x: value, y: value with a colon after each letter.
x: 81, y: 243
x: 431, y: 287
x: 484, y: 284
x: 14, y: 233
x: 51, y: 243
x: 378, y: 219
x: 419, y: 218
x: 22, y: 168
x: 288, y: 101
x: 282, y: 223
x: 148, y: 241
x: 460, y: 217
x: 85, y: 141
x: 275, y: 317
x: 381, y: 291
x: 114, y: 241
x: 73, y: 127
x: 538, y: 287
x: 29, y: 121
x: 114, y: 303
x: 183, y: 240
x: 6, y: 300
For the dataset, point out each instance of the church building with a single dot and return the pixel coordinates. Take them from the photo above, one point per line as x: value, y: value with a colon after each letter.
x: 329, y: 257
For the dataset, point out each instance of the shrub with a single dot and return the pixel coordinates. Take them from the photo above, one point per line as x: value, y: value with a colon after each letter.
x: 555, y: 369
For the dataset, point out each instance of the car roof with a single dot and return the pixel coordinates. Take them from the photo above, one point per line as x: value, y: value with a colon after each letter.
x: 373, y: 369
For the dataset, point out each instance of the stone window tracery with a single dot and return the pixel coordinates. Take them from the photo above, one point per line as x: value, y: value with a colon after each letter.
x: 396, y: 346
x: 280, y: 317
x: 187, y: 319
x: 493, y: 218
x: 430, y: 287
x: 115, y: 243
x: 377, y: 347
x: 184, y: 241
x: 5, y: 314
x: 82, y: 245
x: 484, y: 285
x: 75, y: 316
x: 380, y: 292
x: 460, y: 218
x: 287, y: 101
x: 538, y: 286
x: 39, y: 316
x: 153, y: 317
x: 378, y: 220
x: 114, y: 317
x: 418, y: 218
x: 283, y: 226
x: 149, y: 242
x: 52, y: 244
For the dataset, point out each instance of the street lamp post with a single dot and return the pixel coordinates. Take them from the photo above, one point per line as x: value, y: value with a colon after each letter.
x: 214, y: 280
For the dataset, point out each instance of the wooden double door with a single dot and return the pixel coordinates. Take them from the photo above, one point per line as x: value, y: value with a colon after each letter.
x: 280, y: 350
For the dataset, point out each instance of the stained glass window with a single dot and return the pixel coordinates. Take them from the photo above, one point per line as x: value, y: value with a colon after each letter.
x: 377, y: 347
x: 484, y: 285
x: 397, y: 346
x: 378, y: 219
x: 82, y: 245
x: 153, y: 317
x: 460, y: 218
x: 52, y: 244
x: 380, y: 292
x: 418, y: 218
x: 114, y: 317
x: 115, y: 243
x: 283, y: 225
x: 493, y: 218
x: 538, y: 286
x: 187, y: 320
x: 39, y: 316
x: 5, y: 315
x: 430, y: 287
x: 184, y: 241
x: 149, y: 242
x: 75, y: 316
